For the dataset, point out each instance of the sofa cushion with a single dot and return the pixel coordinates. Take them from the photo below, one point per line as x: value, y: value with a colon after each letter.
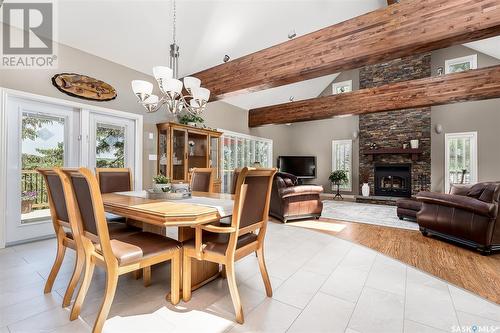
x: 476, y: 190
x: 488, y: 193
x: 288, y: 182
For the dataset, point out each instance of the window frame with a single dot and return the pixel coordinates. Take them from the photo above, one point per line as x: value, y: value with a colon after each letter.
x: 472, y: 59
x: 474, y: 156
x: 252, y: 140
x: 348, y: 187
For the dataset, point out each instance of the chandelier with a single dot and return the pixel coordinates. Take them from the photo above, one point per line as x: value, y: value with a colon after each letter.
x: 171, y: 87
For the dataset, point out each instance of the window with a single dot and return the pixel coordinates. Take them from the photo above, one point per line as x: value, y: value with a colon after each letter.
x: 460, y: 64
x: 342, y: 87
x: 342, y: 160
x: 240, y: 150
x: 460, y: 158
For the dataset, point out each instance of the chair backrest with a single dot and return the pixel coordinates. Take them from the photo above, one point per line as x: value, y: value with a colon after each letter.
x: 114, y: 179
x: 235, y: 175
x: 202, y: 179
x: 251, y: 202
x: 56, y: 197
x: 89, y: 206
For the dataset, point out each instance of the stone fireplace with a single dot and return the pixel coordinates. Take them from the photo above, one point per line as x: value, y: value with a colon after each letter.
x: 388, y: 131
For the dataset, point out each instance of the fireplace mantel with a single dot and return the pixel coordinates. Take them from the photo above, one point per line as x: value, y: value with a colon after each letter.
x: 394, y: 151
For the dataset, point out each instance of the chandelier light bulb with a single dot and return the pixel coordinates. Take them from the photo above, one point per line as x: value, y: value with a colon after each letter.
x: 143, y: 89
x: 201, y: 94
x: 163, y: 73
x: 191, y: 82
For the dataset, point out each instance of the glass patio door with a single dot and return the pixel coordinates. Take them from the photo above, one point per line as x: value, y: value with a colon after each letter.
x: 39, y: 136
x: 111, y: 142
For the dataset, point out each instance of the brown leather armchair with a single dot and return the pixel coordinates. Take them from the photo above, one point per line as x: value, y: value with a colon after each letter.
x: 290, y: 201
x: 468, y: 215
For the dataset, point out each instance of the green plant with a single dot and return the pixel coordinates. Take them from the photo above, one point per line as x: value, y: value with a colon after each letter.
x: 338, y: 177
x: 190, y: 118
x: 161, y: 179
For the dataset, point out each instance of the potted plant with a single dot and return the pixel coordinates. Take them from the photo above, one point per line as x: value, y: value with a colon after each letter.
x: 338, y: 177
x: 365, y: 189
x: 27, y: 199
x: 161, y: 183
x: 190, y: 119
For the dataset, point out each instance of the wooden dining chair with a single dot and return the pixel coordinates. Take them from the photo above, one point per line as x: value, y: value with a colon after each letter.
x: 116, y: 256
x: 120, y: 180
x: 202, y: 179
x: 67, y: 231
x: 226, y: 244
x: 114, y: 180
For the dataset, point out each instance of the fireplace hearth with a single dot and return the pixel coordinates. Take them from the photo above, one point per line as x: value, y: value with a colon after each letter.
x: 393, y: 180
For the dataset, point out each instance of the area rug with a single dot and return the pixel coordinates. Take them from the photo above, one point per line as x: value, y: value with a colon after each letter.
x: 365, y: 213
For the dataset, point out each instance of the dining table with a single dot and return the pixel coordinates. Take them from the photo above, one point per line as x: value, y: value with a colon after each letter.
x: 175, y: 218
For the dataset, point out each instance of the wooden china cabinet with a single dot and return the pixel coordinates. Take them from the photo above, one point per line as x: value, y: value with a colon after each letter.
x: 181, y: 148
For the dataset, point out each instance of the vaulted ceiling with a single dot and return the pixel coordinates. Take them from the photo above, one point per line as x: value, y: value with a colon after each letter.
x: 137, y: 33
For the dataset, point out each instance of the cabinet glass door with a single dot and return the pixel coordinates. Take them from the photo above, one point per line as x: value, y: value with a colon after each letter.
x: 198, y: 150
x: 178, y: 155
x: 214, y: 156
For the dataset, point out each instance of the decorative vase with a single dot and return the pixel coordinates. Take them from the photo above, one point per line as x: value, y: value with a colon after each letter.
x: 414, y: 144
x: 365, y: 190
x: 26, y: 206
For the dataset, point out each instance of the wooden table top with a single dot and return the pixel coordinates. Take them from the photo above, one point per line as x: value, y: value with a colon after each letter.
x: 163, y: 213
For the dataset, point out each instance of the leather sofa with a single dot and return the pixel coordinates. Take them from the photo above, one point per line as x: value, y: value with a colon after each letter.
x: 468, y: 215
x: 290, y: 201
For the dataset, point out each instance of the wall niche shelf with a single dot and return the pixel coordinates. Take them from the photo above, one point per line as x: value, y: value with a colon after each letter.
x: 414, y: 153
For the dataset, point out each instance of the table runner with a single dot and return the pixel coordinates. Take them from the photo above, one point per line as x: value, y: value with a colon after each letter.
x: 223, y: 206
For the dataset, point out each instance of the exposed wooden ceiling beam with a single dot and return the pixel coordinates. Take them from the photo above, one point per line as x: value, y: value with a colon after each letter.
x: 409, y: 27
x: 471, y: 85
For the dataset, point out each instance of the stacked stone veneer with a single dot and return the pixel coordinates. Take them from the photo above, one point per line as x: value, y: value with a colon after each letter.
x: 392, y: 129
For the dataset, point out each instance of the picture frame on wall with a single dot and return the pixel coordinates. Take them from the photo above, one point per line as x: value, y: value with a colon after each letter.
x: 461, y: 64
x: 341, y: 87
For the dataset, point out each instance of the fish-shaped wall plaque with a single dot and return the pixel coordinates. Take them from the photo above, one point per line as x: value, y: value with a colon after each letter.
x: 83, y: 86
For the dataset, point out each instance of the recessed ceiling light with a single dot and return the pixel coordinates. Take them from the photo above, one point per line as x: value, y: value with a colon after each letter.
x: 288, y: 124
x: 226, y: 58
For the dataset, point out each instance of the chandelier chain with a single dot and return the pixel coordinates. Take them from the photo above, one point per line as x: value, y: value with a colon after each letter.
x: 174, y: 19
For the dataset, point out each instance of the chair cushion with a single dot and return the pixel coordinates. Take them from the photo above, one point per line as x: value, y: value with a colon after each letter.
x: 218, y: 242
x: 141, y: 245
x: 488, y: 193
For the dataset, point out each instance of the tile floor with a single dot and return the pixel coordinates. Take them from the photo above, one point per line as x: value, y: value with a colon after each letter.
x: 321, y: 284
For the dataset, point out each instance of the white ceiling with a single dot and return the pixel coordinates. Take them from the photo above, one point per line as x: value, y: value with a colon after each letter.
x: 490, y: 46
x: 137, y: 34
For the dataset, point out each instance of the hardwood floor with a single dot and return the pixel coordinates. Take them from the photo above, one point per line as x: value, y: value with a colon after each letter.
x: 457, y: 265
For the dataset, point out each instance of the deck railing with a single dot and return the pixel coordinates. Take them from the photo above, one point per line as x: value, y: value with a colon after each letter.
x: 31, y: 180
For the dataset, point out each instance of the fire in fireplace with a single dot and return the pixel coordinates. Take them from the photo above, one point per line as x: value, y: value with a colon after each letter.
x: 393, y: 180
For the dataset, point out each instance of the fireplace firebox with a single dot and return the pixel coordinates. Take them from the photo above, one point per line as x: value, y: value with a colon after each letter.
x: 393, y: 180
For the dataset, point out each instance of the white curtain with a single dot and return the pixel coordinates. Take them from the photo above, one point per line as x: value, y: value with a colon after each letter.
x: 342, y: 160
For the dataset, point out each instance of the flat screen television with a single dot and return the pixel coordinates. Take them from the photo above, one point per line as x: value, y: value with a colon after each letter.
x: 301, y: 166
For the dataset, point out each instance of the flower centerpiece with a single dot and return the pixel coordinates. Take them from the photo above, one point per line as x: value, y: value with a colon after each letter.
x: 27, y: 199
x: 338, y: 177
x: 161, y: 183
